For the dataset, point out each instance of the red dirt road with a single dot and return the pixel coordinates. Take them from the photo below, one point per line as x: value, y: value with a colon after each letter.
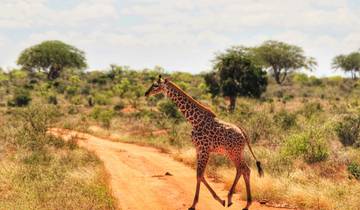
x: 138, y: 181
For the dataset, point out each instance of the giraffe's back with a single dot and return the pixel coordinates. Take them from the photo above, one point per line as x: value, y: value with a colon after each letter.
x: 220, y: 137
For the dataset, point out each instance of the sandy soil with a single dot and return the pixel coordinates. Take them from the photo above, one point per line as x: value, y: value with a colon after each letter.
x: 138, y: 180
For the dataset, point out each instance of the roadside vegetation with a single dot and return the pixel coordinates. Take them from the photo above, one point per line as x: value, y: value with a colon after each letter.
x: 40, y: 171
x: 305, y: 130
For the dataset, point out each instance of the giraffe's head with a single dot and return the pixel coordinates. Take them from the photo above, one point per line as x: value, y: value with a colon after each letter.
x: 157, y: 87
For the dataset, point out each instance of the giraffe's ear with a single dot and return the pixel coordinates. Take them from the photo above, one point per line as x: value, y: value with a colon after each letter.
x: 159, y: 80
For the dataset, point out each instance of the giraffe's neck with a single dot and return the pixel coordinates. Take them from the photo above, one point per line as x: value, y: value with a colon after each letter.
x: 191, y: 109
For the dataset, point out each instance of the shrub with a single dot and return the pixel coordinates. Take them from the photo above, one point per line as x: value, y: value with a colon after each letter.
x: 71, y: 90
x: 314, y: 81
x: 90, y: 101
x: 285, y: 120
x: 311, y: 109
x: 119, y: 106
x: 103, y: 115
x: 300, y: 78
x: 169, y: 109
x: 354, y: 169
x: 260, y: 127
x: 309, y: 145
x: 73, y: 109
x: 33, y: 123
x: 76, y: 100
x: 21, y: 98
x: 348, y: 131
x: 52, y: 100
x: 102, y: 99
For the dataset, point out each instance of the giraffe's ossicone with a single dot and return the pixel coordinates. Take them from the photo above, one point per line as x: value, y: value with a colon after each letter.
x: 210, y: 135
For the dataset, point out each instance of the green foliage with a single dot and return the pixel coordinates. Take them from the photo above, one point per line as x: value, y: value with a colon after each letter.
x: 102, y: 115
x: 301, y: 78
x: 282, y: 58
x: 102, y: 98
x: 51, y: 57
x: 238, y: 75
x: 260, y: 127
x: 21, y: 98
x: 33, y: 123
x: 169, y: 109
x: 309, y: 145
x: 348, y: 63
x: 212, y: 83
x: 354, y: 169
x: 348, y: 130
x: 285, y: 120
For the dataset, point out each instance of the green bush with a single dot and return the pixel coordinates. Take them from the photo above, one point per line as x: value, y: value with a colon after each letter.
x: 285, y: 120
x: 102, y: 115
x: 348, y: 131
x: 21, y: 98
x: 300, y: 78
x: 354, y: 169
x: 314, y: 81
x: 169, y: 109
x: 260, y: 126
x: 309, y: 145
x: 119, y: 106
x: 102, y: 99
x: 71, y: 90
x: 52, y: 99
x: 32, y: 124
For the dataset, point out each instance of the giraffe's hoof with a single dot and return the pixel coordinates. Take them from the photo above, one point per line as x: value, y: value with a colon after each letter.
x: 223, y: 202
x: 245, y: 209
x: 191, y: 208
x: 229, y: 204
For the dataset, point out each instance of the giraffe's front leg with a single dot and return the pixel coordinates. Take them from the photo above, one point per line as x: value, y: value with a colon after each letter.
x: 202, y: 159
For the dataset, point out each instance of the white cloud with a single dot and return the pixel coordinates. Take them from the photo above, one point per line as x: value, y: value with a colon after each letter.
x: 36, y: 13
x: 180, y: 34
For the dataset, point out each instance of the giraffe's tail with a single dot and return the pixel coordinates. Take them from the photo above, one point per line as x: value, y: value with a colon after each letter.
x: 259, y: 168
x: 258, y: 163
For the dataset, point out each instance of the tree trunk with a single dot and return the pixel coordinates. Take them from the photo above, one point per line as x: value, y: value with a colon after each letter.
x: 277, y: 76
x: 232, y: 103
x: 53, y: 73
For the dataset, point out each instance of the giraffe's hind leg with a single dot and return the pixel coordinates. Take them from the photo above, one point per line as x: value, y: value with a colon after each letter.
x: 232, y: 189
x: 246, y: 174
x: 213, y: 193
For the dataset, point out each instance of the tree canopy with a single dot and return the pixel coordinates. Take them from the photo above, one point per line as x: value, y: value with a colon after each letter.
x: 51, y: 57
x: 236, y: 74
x: 348, y: 63
x: 282, y: 58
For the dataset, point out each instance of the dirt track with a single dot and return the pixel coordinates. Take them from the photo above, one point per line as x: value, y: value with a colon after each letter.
x: 138, y: 181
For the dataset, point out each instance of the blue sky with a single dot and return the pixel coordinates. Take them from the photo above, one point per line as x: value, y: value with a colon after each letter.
x: 178, y: 35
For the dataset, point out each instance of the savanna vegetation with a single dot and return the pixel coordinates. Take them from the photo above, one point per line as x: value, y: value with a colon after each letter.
x: 305, y: 130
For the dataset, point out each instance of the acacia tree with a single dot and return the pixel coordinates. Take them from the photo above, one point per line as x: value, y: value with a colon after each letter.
x: 51, y: 57
x: 282, y: 58
x: 236, y: 74
x: 348, y: 63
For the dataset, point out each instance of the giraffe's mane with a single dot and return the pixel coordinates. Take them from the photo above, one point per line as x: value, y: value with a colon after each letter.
x: 201, y: 106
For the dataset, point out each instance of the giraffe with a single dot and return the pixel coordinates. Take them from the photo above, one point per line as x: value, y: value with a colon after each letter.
x: 210, y: 135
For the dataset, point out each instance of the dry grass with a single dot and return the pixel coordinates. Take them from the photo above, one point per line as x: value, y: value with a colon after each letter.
x: 39, y: 171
